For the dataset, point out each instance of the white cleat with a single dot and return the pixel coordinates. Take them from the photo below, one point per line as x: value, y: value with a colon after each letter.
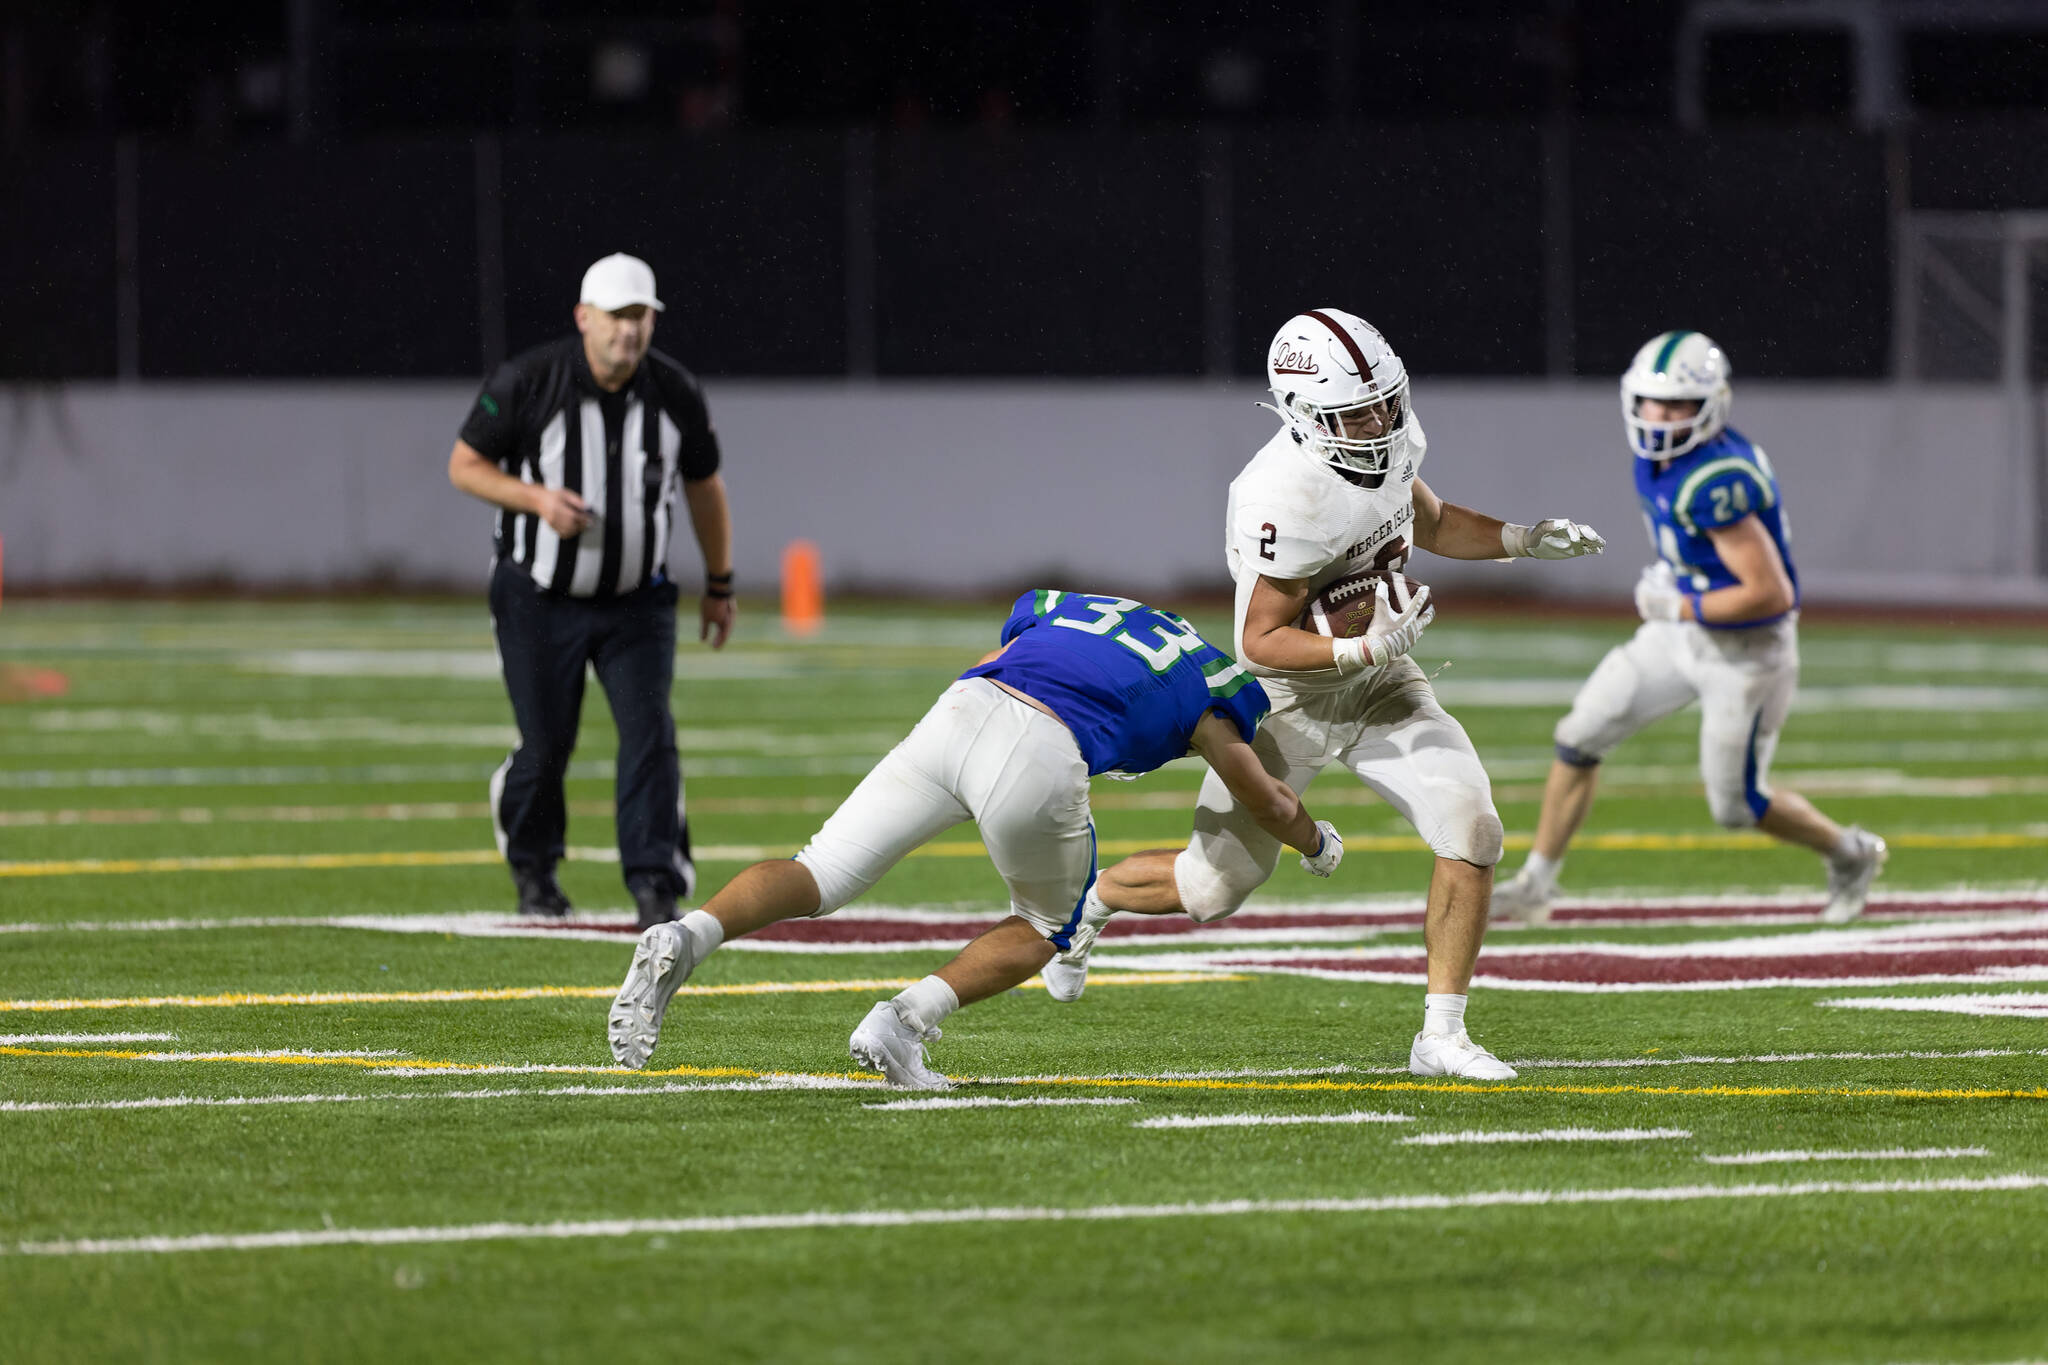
x: 1849, y: 881
x: 663, y: 961
x: 884, y: 1043
x: 1520, y: 897
x: 1455, y: 1054
x: 1066, y: 976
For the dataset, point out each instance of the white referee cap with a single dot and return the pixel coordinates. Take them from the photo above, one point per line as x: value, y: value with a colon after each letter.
x: 619, y: 281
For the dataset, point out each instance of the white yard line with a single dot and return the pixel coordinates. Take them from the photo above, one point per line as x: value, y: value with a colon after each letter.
x: 991, y: 1102
x: 1267, y: 1120
x: 2010, y: 1005
x: 1545, y: 1135
x: 1888, y: 1154
x: 1397, y: 912
x: 290, y: 1239
x: 11, y: 1039
x: 581, y: 1091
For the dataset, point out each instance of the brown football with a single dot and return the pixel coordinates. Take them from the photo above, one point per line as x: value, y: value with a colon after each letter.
x: 1344, y: 607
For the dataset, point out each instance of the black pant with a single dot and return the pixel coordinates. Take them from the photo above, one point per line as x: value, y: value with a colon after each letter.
x: 544, y: 642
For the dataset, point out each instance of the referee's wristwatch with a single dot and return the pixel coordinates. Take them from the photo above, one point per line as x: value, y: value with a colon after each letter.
x: 718, y: 585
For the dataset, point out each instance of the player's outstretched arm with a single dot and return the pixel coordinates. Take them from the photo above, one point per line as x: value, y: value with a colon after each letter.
x: 1265, y: 797
x: 1455, y: 532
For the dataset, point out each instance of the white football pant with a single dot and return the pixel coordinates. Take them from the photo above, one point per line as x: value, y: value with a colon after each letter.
x: 1744, y: 680
x: 1390, y: 731
x: 979, y: 754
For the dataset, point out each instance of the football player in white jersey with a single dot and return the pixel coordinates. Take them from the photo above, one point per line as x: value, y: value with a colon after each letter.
x: 1720, y: 609
x: 1334, y: 492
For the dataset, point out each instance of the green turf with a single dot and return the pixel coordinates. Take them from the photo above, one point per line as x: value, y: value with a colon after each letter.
x: 231, y: 730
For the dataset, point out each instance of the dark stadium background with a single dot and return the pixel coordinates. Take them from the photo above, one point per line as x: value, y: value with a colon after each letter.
x: 363, y: 188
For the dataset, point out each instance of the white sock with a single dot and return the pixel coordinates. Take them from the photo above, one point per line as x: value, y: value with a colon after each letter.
x: 1543, y: 871
x: 926, y: 1004
x: 1848, y: 848
x: 1443, y: 1013
x: 1093, y: 907
x: 705, y: 932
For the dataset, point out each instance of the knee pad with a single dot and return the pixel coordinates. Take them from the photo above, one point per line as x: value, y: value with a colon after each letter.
x: 1473, y: 836
x: 1207, y: 893
x: 1574, y: 742
x: 1733, y: 808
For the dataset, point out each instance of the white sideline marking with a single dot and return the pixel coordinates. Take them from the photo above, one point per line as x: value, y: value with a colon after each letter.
x: 1546, y: 1135
x: 1261, y: 1120
x: 2011, y: 1005
x: 10, y: 1039
x: 596, y: 926
x: 243, y: 1101
x: 990, y: 1102
x: 897, y: 1218
x: 1888, y: 1154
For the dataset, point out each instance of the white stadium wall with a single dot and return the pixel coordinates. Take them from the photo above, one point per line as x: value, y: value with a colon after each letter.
x: 964, y: 487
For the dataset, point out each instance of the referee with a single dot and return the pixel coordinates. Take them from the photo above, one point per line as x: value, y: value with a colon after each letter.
x: 581, y: 445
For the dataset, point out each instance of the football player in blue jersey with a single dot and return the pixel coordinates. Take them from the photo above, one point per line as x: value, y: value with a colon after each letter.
x: 1080, y: 686
x: 1720, y: 607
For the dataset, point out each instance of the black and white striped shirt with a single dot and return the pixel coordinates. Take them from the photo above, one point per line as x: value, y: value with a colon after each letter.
x: 542, y: 418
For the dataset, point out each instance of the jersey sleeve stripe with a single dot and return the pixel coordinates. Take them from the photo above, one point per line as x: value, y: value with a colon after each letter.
x: 1682, y: 504
x: 1227, y: 680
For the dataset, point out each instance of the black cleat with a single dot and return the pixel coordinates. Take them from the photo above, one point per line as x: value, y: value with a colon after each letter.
x: 656, y: 907
x: 540, y: 894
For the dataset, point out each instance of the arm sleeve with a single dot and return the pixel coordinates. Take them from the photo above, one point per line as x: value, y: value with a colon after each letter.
x: 1279, y: 545
x: 1236, y: 696
x: 1727, y: 498
x: 698, y: 456
x: 1027, y: 610
x: 492, y: 427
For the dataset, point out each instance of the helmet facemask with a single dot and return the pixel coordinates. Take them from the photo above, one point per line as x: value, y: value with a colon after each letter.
x: 1666, y: 440
x: 1362, y: 435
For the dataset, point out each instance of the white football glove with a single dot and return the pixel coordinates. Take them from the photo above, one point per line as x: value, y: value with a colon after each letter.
x: 1657, y: 594
x: 1328, y: 854
x: 1552, y: 539
x: 1395, y: 628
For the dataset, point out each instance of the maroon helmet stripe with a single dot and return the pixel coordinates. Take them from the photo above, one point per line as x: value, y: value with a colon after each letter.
x: 1364, y: 366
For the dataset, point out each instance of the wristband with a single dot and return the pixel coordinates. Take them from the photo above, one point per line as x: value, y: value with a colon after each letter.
x: 1694, y: 598
x: 718, y: 585
x: 1350, y: 655
x: 1514, y: 540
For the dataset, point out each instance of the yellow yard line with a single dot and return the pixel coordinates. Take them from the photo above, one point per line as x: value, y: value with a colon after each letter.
x: 1182, y: 1083
x: 553, y: 993
x: 722, y: 853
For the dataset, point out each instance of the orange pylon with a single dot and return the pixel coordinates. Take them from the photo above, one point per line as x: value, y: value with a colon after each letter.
x: 803, y: 588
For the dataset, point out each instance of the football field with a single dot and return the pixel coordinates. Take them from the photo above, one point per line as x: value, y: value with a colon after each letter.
x: 282, y: 1078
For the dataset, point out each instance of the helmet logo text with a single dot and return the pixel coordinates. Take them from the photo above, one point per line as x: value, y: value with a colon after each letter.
x: 1287, y: 360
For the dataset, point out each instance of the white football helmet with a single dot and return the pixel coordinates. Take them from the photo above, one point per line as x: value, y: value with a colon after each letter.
x: 1674, y: 367
x: 1341, y: 390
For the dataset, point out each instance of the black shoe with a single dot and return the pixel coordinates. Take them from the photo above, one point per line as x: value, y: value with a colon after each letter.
x: 540, y: 894
x: 657, y: 904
